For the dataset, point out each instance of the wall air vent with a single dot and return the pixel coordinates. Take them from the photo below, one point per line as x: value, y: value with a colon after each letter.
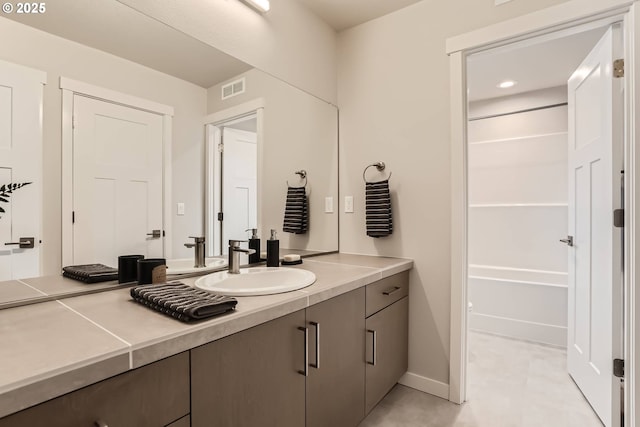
x: 234, y: 88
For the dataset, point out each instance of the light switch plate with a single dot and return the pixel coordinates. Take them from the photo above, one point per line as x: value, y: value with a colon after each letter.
x: 180, y: 209
x: 328, y: 204
x: 348, y: 204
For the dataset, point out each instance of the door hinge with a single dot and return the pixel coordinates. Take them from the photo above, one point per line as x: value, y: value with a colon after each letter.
x: 618, y: 218
x: 220, y: 215
x: 220, y: 148
x: 618, y: 68
x: 73, y: 122
x: 618, y: 368
x: 73, y: 217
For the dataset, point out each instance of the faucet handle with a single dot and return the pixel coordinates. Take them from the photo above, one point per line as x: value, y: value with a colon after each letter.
x: 198, y: 239
x: 236, y: 243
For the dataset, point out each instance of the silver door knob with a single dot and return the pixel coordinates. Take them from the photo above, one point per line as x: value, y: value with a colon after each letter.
x: 156, y: 234
x: 568, y: 240
x: 24, y: 243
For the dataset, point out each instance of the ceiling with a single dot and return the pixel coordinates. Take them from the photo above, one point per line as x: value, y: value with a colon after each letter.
x: 532, y: 64
x: 115, y: 28
x: 342, y: 14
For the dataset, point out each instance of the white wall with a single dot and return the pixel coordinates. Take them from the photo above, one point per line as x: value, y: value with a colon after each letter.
x: 393, y: 94
x: 300, y: 131
x: 60, y: 57
x: 288, y: 42
x: 517, y: 166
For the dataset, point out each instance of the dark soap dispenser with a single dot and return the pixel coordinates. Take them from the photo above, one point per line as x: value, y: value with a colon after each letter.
x: 273, y: 250
x: 254, y: 243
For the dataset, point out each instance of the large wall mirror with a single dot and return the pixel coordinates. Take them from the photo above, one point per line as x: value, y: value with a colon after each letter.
x: 112, y: 46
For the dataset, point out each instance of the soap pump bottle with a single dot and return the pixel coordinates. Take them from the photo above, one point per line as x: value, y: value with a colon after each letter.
x: 254, y: 243
x: 273, y: 250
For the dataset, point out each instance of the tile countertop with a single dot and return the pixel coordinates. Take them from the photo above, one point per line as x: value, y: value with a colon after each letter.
x: 52, y: 348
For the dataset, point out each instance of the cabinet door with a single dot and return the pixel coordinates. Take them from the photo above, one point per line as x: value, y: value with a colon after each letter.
x: 387, y: 350
x: 154, y: 395
x: 251, y: 378
x: 335, y: 386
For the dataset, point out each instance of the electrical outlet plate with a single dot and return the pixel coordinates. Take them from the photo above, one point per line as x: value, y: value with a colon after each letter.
x: 328, y: 204
x: 180, y: 209
x: 348, y: 204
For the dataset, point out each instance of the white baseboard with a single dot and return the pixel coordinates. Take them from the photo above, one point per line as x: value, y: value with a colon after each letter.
x: 514, y: 328
x: 425, y: 384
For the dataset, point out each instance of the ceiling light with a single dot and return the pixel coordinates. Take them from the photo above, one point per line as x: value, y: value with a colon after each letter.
x: 259, y: 5
x: 506, y: 84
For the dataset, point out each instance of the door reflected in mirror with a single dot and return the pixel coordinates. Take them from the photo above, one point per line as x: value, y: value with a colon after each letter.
x: 234, y: 181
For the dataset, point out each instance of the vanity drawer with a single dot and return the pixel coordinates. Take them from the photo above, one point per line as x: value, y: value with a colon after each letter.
x: 385, y: 292
x: 153, y: 395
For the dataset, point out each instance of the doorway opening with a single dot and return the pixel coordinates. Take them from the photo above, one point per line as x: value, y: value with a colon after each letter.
x: 232, y: 180
x: 521, y: 283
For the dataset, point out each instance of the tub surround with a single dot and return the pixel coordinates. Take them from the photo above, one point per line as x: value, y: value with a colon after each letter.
x: 56, y: 347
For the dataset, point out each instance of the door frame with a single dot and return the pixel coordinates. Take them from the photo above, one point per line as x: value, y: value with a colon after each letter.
x: 70, y: 88
x: 33, y: 77
x: 212, y: 196
x: 564, y: 16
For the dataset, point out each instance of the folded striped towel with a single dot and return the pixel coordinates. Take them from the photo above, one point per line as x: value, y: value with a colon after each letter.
x: 182, y: 301
x: 378, y: 209
x: 296, y: 215
x: 90, y: 273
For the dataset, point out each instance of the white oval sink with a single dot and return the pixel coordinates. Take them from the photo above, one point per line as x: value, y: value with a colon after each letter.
x: 186, y: 265
x: 256, y: 281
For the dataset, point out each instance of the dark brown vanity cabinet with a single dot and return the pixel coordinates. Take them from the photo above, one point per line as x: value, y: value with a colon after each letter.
x: 387, y: 340
x: 335, y: 385
x: 153, y: 395
x: 252, y: 378
x: 327, y: 365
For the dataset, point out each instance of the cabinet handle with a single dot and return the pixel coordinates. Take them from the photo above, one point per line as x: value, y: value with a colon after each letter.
x: 374, y: 336
x: 392, y: 290
x: 100, y: 423
x: 305, y: 371
x: 317, y: 364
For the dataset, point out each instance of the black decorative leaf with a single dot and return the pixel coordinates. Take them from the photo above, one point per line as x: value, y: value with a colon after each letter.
x: 7, y: 189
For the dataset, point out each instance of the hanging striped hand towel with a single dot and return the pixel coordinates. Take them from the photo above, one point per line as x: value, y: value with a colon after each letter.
x: 296, y: 216
x: 378, y: 209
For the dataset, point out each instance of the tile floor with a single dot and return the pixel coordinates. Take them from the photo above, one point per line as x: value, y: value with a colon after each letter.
x: 512, y: 383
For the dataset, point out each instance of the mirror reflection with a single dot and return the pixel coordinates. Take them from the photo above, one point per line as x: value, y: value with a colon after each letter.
x: 151, y: 102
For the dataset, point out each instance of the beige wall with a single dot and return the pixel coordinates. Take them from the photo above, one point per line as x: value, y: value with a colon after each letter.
x: 60, y: 57
x: 393, y: 94
x: 288, y: 42
x: 300, y: 131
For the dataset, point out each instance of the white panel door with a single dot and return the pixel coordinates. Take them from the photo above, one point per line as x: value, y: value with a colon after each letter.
x: 20, y: 169
x: 117, y: 181
x: 595, y: 266
x: 239, y: 184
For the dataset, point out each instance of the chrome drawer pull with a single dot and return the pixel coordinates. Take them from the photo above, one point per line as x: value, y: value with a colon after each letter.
x: 305, y: 371
x: 317, y: 364
x: 374, y: 336
x: 392, y: 290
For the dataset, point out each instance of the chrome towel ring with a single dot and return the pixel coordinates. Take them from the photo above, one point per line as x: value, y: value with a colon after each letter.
x: 379, y: 165
x: 303, y: 176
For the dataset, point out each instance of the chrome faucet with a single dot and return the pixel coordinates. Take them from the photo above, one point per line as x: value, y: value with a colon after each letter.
x: 199, y: 251
x: 234, y: 255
